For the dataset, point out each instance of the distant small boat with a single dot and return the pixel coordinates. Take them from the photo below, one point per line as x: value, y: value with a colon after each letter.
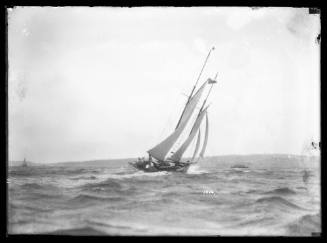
x: 24, y: 164
x: 158, y: 159
x: 239, y: 167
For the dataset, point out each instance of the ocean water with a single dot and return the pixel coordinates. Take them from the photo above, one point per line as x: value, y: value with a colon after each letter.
x: 270, y: 197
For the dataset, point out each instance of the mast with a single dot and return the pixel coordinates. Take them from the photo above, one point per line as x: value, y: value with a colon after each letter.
x: 188, y: 100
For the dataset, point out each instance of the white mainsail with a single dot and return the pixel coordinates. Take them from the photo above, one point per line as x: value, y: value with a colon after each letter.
x: 161, y: 150
x: 179, y: 153
x: 205, y: 137
x: 197, y: 145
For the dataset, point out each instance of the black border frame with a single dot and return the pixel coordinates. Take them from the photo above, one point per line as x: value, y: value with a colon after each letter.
x: 313, y: 5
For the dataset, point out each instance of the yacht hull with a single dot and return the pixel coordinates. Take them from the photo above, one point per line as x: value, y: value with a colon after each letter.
x: 144, y: 166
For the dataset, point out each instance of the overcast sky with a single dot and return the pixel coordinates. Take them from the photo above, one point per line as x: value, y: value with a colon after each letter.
x: 95, y: 83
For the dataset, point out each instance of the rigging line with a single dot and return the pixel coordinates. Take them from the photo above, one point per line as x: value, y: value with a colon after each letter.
x: 209, y: 91
x: 205, y: 101
x: 203, y: 67
x: 188, y: 100
x: 212, y: 85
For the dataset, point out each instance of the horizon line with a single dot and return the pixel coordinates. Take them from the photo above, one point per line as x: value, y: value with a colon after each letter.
x: 221, y: 155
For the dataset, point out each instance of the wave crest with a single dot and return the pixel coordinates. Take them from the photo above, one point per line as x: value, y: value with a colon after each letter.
x: 278, y: 201
x: 83, y: 198
x: 195, y: 169
x: 281, y: 191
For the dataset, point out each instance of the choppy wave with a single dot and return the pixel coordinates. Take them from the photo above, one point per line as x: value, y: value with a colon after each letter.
x: 282, y: 191
x: 32, y: 186
x: 278, y: 201
x: 121, y: 200
x: 85, y: 231
x: 257, y: 221
x: 195, y: 169
x: 86, y: 198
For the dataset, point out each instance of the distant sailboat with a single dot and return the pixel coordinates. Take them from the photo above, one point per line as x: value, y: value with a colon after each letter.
x: 24, y: 163
x: 161, y: 161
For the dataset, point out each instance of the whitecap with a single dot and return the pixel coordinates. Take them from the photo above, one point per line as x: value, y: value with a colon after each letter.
x: 195, y: 169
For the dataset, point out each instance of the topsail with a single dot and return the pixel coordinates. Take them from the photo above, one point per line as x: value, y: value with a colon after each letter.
x: 161, y: 150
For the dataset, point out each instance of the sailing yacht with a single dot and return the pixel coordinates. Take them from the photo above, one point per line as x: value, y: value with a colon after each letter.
x: 158, y: 159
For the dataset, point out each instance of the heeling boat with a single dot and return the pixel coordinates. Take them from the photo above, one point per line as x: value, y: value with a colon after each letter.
x: 158, y: 159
